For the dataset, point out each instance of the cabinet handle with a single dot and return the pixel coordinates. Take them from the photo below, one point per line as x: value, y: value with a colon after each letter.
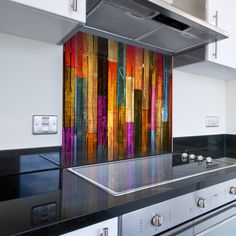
x: 104, y: 232
x: 74, y: 5
x: 215, y: 54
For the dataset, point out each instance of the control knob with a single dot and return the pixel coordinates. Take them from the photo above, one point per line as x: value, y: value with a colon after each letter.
x: 208, y: 160
x: 157, y: 220
x: 192, y: 157
x: 201, y: 203
x: 184, y: 157
x: 232, y: 191
x: 200, y: 158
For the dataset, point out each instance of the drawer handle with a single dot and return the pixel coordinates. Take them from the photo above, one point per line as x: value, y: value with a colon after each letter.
x: 104, y: 232
x: 74, y: 5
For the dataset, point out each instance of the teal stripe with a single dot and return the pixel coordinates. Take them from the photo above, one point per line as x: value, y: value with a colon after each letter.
x: 153, y: 142
x: 121, y: 76
x: 80, y: 118
x: 166, y: 89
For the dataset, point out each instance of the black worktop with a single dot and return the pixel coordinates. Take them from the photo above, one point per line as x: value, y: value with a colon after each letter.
x: 77, y: 203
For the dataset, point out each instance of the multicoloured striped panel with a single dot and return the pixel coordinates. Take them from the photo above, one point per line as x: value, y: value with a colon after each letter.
x: 117, y: 101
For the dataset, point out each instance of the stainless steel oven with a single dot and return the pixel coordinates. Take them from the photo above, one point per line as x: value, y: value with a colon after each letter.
x: 220, y: 222
x: 208, y: 212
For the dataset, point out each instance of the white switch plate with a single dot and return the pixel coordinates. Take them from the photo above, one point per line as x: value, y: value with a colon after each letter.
x: 212, y: 121
x: 44, y: 124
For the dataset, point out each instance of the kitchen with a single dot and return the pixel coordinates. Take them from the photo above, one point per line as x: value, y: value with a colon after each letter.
x: 43, y: 107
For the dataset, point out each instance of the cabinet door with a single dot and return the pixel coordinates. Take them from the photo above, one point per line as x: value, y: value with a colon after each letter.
x: 59, y: 7
x: 108, y: 227
x: 223, y: 51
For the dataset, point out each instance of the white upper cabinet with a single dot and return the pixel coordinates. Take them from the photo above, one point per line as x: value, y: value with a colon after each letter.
x: 51, y: 21
x: 73, y: 9
x: 216, y: 60
x: 222, y: 14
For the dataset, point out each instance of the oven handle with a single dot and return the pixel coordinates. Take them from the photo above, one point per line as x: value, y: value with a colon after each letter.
x: 216, y: 226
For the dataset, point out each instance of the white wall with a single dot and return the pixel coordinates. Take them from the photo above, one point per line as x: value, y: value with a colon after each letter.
x: 30, y: 83
x: 194, y: 98
x: 231, y: 107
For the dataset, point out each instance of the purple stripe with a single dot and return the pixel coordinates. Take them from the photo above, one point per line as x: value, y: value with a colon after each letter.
x: 102, y: 121
x: 68, y: 135
x: 130, y: 138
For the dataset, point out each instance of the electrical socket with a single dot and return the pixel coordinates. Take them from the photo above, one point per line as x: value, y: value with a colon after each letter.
x: 44, y: 124
x: 212, y: 121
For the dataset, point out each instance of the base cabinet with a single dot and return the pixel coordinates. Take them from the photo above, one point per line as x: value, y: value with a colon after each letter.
x: 105, y: 228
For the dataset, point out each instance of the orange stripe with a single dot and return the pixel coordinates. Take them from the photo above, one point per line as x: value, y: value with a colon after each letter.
x: 130, y: 61
x: 81, y: 55
x: 69, y: 53
x: 112, y: 75
x: 129, y: 99
x: 91, y: 148
x: 92, y: 86
x: 138, y: 72
x: 145, y: 99
x: 69, y: 93
x: 112, y: 136
x: 121, y: 132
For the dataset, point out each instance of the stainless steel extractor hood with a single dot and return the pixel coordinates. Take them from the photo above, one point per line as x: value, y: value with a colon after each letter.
x: 153, y: 24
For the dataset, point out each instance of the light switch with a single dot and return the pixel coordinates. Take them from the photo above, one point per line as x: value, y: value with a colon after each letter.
x: 44, y: 124
x: 212, y: 121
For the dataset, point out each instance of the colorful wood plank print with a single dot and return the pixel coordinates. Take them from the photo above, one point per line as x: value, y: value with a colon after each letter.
x: 117, y: 101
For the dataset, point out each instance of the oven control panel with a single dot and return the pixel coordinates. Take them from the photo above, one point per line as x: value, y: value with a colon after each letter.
x: 162, y: 216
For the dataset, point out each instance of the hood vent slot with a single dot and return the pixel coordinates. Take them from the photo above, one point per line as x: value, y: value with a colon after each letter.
x: 171, y: 22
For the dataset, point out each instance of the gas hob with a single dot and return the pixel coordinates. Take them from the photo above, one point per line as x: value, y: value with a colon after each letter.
x: 123, y: 177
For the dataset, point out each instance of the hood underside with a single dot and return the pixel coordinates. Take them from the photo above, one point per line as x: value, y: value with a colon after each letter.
x: 153, y: 24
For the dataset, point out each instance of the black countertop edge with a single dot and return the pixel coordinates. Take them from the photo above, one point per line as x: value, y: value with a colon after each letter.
x: 31, y: 172
x: 28, y: 151
x: 170, y: 191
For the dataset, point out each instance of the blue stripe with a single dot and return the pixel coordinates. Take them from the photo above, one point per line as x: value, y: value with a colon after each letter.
x: 165, y: 90
x: 75, y: 151
x: 121, y: 76
x: 153, y: 142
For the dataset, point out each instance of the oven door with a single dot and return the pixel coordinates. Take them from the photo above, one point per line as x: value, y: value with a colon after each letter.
x: 220, y: 222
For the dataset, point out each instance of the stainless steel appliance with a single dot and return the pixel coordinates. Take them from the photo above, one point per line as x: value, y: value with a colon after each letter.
x: 152, y: 24
x: 123, y: 177
x: 205, y: 211
x: 163, y: 218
